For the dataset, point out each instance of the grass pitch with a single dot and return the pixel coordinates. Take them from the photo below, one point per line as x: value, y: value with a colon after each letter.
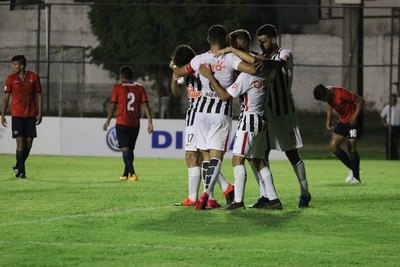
x: 73, y: 211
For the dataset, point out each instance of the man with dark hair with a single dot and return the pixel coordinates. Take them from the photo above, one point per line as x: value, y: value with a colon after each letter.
x: 182, y: 55
x: 26, y: 109
x: 348, y: 106
x: 128, y: 96
x: 213, y: 116
x: 250, y: 140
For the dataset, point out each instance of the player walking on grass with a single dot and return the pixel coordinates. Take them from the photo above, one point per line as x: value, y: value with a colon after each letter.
x: 182, y: 56
x: 128, y: 96
x: 348, y: 106
x: 26, y: 109
x: 250, y: 138
x: 213, y: 116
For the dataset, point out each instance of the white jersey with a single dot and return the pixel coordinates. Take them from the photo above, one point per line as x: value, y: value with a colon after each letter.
x: 394, y: 114
x: 280, y: 112
x: 224, y: 68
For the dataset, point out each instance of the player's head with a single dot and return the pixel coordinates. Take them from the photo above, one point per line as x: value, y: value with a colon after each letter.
x: 126, y: 72
x: 321, y: 93
x: 240, y: 39
x: 217, y: 35
x: 182, y: 55
x: 18, y: 63
x: 267, y: 37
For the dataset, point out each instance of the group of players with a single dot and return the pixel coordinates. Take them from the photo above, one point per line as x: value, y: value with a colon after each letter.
x: 267, y: 118
x: 212, y: 79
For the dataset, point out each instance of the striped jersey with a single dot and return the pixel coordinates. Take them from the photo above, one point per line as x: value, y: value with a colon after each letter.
x: 224, y: 68
x: 193, y: 87
x: 251, y: 90
x: 279, y: 96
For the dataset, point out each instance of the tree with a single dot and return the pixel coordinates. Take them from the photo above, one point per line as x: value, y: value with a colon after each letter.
x: 144, y: 33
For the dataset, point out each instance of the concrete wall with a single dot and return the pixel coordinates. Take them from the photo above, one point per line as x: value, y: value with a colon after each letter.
x: 70, y: 27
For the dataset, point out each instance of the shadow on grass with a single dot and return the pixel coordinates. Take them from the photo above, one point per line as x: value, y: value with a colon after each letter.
x: 185, y: 220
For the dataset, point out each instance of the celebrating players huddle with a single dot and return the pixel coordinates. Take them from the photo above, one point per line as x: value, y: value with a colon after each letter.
x: 267, y: 119
x: 212, y: 80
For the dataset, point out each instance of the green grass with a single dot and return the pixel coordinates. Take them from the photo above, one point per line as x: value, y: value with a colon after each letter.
x: 73, y: 211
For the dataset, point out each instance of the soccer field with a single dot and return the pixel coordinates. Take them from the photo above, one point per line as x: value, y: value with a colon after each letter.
x: 73, y: 211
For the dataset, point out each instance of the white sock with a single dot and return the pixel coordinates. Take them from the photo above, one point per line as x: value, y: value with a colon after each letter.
x: 222, y: 182
x: 194, y: 177
x: 260, y: 182
x: 266, y: 176
x: 239, y: 172
x: 300, y: 171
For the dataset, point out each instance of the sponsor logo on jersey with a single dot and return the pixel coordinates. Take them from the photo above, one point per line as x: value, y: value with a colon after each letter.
x: 111, y: 139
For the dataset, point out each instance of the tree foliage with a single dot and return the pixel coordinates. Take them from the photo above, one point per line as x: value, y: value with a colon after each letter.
x: 145, y: 32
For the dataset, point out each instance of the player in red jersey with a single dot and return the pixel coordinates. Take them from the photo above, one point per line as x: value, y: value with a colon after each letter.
x: 348, y: 106
x: 127, y: 97
x: 26, y: 109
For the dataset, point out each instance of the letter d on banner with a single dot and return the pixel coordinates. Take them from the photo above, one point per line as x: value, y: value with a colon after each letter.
x: 161, y: 139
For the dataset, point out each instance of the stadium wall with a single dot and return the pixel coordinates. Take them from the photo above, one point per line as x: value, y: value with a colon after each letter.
x: 85, y: 137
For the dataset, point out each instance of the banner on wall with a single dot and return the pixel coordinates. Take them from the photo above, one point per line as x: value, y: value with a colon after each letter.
x: 85, y: 137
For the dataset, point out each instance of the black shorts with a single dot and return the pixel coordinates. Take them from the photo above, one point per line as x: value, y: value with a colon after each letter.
x: 126, y: 136
x: 23, y: 127
x: 347, y: 130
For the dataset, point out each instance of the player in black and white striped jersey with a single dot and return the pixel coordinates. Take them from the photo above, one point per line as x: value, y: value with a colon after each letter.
x: 283, y: 126
x: 214, y: 117
x: 250, y: 138
x: 191, y: 83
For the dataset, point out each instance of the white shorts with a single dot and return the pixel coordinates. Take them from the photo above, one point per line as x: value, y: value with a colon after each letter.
x: 249, y: 144
x: 283, y: 132
x: 190, y: 138
x: 212, y: 131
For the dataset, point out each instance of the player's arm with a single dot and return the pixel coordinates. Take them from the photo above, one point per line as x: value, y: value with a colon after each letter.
x: 328, y: 123
x: 40, y: 108
x: 262, y: 63
x: 111, y: 109
x: 6, y: 99
x: 177, y: 89
x: 206, y: 71
x: 247, y: 68
x: 359, y: 102
x: 147, y: 111
x: 240, y: 53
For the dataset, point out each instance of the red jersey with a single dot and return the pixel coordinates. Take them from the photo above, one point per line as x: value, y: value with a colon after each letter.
x: 129, y: 96
x: 343, y: 103
x: 23, y: 101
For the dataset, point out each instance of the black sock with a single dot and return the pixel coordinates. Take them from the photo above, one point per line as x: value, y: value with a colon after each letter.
x: 343, y: 157
x: 355, y: 164
x: 20, y: 161
x: 128, y: 160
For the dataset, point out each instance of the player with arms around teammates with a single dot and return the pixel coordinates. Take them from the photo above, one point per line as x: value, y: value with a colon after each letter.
x: 213, y: 117
x: 182, y: 56
x: 128, y: 96
x: 25, y: 88
x: 282, y: 131
x: 250, y: 138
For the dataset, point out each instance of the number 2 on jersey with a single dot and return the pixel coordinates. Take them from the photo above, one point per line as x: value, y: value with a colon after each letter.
x: 131, y: 100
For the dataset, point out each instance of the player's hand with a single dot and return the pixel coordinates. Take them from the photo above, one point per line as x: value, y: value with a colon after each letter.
x: 329, y: 126
x: 206, y: 71
x: 258, y: 63
x: 223, y: 51
x: 105, y: 126
x: 39, y: 119
x: 150, y: 128
x: 3, y: 121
